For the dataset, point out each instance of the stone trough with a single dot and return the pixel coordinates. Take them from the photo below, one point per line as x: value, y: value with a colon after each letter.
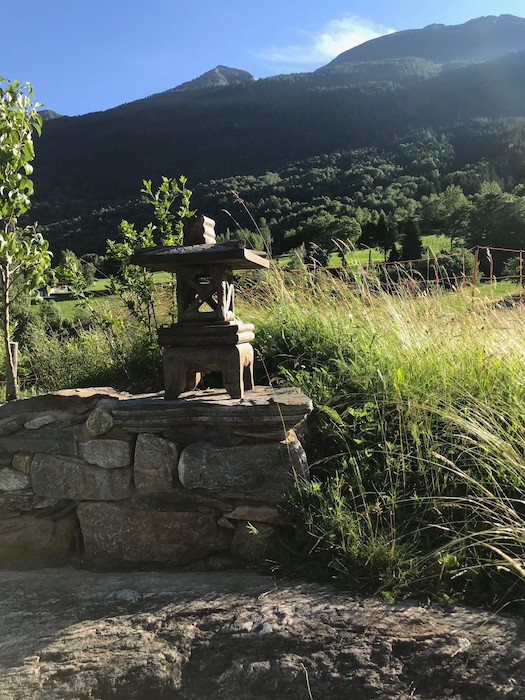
x: 119, y: 480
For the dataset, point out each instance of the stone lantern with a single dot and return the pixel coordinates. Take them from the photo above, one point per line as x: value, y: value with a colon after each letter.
x: 207, y: 335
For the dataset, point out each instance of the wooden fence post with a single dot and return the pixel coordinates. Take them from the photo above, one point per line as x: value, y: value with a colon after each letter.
x: 475, y: 272
x: 521, y: 274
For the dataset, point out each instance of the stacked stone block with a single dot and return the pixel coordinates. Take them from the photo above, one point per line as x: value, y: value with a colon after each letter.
x: 99, y: 476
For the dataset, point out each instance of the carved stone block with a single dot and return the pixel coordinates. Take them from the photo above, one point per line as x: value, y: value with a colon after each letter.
x: 182, y: 364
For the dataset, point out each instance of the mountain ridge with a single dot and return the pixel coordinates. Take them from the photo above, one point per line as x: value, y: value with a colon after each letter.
x: 483, y: 38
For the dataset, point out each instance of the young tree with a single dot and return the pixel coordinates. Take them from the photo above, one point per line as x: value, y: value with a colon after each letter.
x: 24, y: 254
x: 135, y: 285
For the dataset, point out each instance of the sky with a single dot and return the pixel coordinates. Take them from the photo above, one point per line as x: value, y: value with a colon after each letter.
x: 89, y: 55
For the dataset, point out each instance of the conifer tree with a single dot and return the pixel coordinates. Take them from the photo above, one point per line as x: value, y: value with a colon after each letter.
x: 412, y: 245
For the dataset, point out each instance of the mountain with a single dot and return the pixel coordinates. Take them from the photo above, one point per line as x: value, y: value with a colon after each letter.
x: 48, y: 114
x: 217, y: 77
x: 481, y: 39
x: 208, y: 130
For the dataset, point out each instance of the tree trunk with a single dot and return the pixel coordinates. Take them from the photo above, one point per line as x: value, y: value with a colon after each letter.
x: 11, y: 350
x: 11, y: 384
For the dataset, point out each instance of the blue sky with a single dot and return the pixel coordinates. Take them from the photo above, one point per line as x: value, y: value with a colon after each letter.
x: 87, y: 55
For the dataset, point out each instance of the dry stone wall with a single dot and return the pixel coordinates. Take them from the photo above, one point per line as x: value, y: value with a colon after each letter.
x: 115, y: 479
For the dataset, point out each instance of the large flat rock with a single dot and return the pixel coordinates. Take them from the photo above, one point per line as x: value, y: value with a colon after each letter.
x: 265, y: 413
x: 77, y: 635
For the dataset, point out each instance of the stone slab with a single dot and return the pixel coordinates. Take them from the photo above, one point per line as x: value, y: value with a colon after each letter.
x: 174, y: 500
x: 71, y: 400
x: 11, y: 425
x: 61, y: 441
x: 118, y: 532
x: 262, y: 472
x: 262, y: 409
x: 25, y: 500
x: 254, y: 513
x: 66, y: 477
x: 106, y: 453
x: 40, y: 421
x: 155, y: 463
x: 238, y: 635
x: 21, y: 500
x: 13, y: 480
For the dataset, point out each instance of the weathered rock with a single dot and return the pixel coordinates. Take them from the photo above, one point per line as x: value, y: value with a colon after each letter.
x: 49, y: 440
x: 22, y: 462
x: 251, y: 541
x: 118, y: 532
x: 65, y: 477
x: 72, y: 400
x: 155, y: 463
x: 13, y: 480
x: 225, y: 523
x: 176, y: 499
x: 265, y: 412
x: 6, y: 459
x: 29, y: 541
x: 76, y: 635
x: 21, y: 500
x: 99, y: 422
x: 259, y: 514
x: 109, y: 454
x: 11, y: 425
x: 39, y: 422
x: 264, y: 472
x: 24, y: 500
x: 51, y: 505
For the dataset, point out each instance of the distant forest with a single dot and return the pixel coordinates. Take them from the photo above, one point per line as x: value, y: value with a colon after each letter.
x: 441, y: 178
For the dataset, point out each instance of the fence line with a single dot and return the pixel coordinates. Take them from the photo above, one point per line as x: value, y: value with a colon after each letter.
x: 435, y: 262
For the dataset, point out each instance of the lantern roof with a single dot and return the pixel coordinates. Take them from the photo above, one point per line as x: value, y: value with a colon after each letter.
x: 233, y: 254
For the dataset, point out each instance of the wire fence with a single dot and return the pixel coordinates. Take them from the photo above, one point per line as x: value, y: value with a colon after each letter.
x: 461, y: 269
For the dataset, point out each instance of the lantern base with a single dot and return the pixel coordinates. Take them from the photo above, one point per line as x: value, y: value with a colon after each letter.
x: 183, y: 365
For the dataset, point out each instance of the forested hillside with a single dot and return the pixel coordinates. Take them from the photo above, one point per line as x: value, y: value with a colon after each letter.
x: 374, y: 134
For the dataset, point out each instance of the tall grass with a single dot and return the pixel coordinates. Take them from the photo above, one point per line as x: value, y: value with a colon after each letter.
x: 419, y: 437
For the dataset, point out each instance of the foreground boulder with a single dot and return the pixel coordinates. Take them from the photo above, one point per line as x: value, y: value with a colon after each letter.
x: 74, y: 635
